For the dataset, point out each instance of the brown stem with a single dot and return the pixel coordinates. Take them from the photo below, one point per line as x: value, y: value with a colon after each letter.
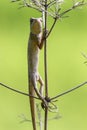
x: 45, y: 58
x: 45, y: 68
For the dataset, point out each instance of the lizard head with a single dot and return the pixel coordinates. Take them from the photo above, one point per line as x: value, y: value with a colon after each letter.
x: 36, y: 25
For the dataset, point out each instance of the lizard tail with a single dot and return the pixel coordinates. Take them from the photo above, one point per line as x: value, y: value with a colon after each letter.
x: 32, y: 107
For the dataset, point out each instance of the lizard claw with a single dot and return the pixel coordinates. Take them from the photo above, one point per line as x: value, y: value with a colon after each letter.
x: 45, y: 33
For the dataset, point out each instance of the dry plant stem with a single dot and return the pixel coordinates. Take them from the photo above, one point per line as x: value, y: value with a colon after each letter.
x: 68, y: 91
x: 17, y: 91
x: 45, y: 68
x: 45, y: 55
x: 46, y: 119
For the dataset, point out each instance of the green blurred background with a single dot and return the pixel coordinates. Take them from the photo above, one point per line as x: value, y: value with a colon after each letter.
x: 66, y: 67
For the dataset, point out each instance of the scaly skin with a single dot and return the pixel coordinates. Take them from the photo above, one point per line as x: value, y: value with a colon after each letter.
x: 35, y: 43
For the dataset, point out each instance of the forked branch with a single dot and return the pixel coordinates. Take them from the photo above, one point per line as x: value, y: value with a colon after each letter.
x: 60, y: 15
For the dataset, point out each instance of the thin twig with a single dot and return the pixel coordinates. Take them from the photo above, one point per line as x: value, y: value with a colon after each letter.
x: 73, y: 7
x: 17, y: 91
x: 53, y: 2
x: 56, y: 18
x: 68, y: 91
x: 32, y: 6
x: 38, y: 9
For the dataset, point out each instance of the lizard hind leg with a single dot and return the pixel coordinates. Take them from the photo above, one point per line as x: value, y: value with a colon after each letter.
x: 34, y: 79
x: 41, y: 85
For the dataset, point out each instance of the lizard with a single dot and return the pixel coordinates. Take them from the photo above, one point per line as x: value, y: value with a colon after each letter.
x: 35, y: 44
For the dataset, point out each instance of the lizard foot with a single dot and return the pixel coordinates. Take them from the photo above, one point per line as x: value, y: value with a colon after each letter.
x: 50, y: 105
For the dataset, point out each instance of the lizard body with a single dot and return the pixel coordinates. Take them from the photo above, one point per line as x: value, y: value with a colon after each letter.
x: 35, y: 43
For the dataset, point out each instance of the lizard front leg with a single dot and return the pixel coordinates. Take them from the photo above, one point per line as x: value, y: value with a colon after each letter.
x: 40, y: 41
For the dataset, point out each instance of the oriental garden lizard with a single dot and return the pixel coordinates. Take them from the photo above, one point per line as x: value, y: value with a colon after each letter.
x: 35, y: 43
